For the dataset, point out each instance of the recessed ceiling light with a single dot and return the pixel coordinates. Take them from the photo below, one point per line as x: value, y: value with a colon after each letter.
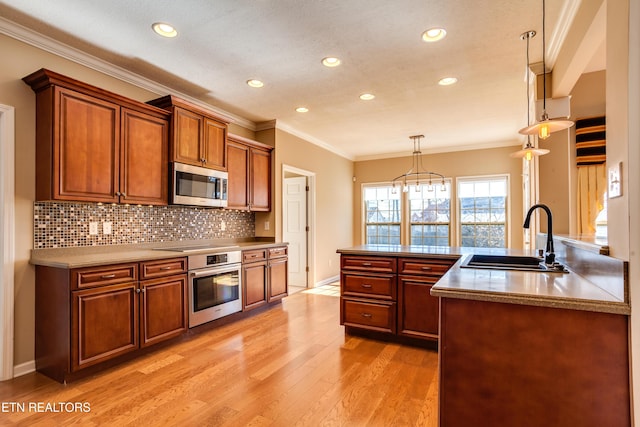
x: 367, y: 96
x: 331, y: 61
x: 164, y: 29
x: 434, y: 34
x: 255, y: 83
x: 302, y: 110
x: 447, y: 81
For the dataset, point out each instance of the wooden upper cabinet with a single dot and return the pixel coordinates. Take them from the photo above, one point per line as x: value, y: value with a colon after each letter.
x: 96, y: 146
x: 198, y: 136
x: 84, y: 150
x: 249, y: 165
x: 145, y: 159
x: 238, y: 168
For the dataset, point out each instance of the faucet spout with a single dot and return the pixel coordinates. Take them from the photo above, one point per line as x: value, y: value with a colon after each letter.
x: 550, y: 254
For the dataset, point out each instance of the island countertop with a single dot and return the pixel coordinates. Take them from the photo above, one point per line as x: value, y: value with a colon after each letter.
x: 556, y: 290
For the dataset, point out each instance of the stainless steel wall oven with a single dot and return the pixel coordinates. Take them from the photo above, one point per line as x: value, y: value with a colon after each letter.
x: 215, y: 286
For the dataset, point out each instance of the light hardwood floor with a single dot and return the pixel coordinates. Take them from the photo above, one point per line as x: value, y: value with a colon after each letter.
x: 292, y: 365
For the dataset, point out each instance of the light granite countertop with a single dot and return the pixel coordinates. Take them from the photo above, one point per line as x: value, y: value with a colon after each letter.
x: 91, y: 256
x: 556, y: 290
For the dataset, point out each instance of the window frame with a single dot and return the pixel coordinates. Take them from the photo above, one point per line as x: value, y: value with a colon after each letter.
x: 507, y: 213
x: 405, y: 211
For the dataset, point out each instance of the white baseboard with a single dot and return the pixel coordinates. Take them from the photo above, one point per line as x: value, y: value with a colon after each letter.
x: 24, y: 368
x: 327, y: 281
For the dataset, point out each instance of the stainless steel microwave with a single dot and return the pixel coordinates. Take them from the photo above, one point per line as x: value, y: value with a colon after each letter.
x: 193, y: 185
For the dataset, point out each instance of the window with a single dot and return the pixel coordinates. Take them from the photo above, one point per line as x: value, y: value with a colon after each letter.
x: 382, y: 215
x: 419, y: 216
x: 482, y: 204
x: 430, y: 214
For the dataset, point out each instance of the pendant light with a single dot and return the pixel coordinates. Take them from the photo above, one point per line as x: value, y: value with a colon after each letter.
x: 545, y: 127
x: 529, y: 151
x: 417, y: 175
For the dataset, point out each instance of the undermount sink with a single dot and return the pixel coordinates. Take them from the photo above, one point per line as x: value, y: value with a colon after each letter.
x: 511, y: 262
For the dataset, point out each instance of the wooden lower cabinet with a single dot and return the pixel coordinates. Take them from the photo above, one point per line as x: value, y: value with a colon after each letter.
x: 264, y: 276
x: 277, y: 273
x: 391, y: 294
x: 163, y: 306
x: 88, y: 316
x: 104, y: 324
x: 518, y: 365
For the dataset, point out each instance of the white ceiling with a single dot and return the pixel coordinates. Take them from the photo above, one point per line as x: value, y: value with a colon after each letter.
x: 223, y: 43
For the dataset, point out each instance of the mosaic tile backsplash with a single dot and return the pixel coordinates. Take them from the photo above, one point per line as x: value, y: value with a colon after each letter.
x: 66, y: 225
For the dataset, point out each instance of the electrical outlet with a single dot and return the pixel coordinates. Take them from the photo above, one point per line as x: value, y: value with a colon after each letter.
x: 107, y: 227
x: 93, y: 229
x: 266, y: 225
x: 223, y: 225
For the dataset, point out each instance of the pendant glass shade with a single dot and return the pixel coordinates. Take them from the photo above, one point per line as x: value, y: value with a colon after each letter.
x: 546, y: 127
x: 529, y: 152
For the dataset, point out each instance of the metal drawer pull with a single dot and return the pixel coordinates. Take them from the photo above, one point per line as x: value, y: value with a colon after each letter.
x: 366, y: 285
x: 367, y: 315
x: 166, y: 268
x: 366, y: 264
x: 108, y: 276
x: 427, y: 268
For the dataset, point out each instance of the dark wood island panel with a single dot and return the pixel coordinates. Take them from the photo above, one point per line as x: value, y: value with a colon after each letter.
x: 509, y: 364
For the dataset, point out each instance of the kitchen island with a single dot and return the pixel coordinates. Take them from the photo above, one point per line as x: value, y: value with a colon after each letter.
x: 526, y: 348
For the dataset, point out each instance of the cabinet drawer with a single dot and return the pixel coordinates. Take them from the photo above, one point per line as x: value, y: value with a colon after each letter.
x: 161, y: 268
x: 380, y: 286
x: 369, y: 315
x: 368, y: 263
x: 254, y: 255
x: 424, y: 266
x: 107, y: 275
x: 278, y: 252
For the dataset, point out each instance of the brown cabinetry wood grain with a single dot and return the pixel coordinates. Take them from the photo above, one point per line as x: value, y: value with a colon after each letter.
x: 198, y: 136
x: 277, y: 272
x: 96, y: 146
x: 399, y: 284
x: 104, y: 324
x: 89, y: 317
x: 249, y: 169
x: 264, y: 276
x: 532, y: 366
x: 254, y: 277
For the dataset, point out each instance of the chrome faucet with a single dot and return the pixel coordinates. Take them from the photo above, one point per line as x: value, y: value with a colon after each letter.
x: 550, y: 256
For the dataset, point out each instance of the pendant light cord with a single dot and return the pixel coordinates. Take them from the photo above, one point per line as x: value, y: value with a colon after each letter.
x: 544, y: 64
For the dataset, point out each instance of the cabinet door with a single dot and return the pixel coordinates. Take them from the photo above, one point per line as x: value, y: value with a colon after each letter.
x: 260, y: 180
x: 104, y: 324
x: 144, y: 159
x: 163, y: 309
x: 254, y: 278
x: 277, y: 279
x: 86, y: 148
x: 417, y: 309
x: 187, y: 128
x: 237, y: 165
x: 214, y: 145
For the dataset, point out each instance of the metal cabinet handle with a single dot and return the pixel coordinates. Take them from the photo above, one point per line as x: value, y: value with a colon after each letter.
x: 108, y: 276
x: 165, y: 268
x: 366, y: 285
x: 117, y: 193
x: 367, y: 315
x: 124, y: 194
x: 366, y: 264
x: 425, y: 268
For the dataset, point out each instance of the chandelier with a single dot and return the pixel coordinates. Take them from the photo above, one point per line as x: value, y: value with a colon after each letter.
x: 417, y: 174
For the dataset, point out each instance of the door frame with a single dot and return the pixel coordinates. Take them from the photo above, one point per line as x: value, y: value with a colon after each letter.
x: 311, y: 217
x: 7, y: 248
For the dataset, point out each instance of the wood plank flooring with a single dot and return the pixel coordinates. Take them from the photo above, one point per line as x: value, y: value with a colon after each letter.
x: 292, y: 365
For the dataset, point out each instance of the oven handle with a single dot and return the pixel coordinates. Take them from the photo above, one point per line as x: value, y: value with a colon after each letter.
x: 209, y: 272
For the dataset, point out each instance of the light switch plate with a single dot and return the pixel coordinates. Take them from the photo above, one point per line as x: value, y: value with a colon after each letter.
x: 93, y: 229
x: 107, y: 227
x: 615, y: 180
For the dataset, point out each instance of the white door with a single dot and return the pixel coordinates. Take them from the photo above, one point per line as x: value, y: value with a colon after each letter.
x: 294, y: 218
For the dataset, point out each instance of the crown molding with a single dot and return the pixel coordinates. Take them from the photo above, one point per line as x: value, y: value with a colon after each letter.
x: 41, y: 41
x: 313, y: 140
